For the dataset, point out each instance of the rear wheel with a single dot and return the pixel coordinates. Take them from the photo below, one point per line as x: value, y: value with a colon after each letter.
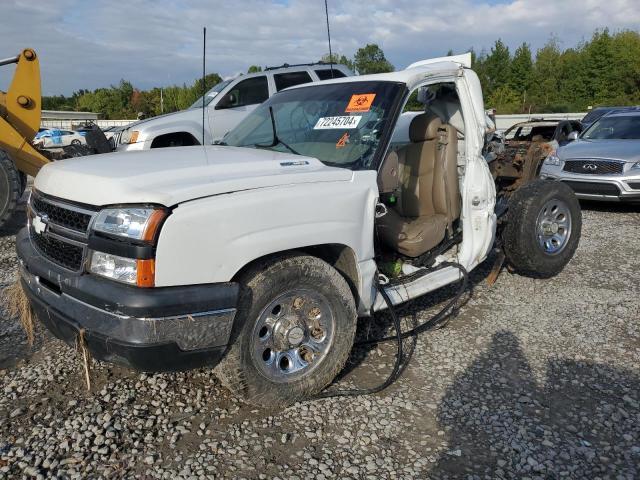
x: 543, y: 228
x: 293, y: 332
x: 10, y: 188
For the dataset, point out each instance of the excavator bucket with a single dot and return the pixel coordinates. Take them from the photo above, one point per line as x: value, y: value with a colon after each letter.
x: 20, y: 111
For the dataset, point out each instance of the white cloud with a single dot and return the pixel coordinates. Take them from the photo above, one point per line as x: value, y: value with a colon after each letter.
x: 158, y: 42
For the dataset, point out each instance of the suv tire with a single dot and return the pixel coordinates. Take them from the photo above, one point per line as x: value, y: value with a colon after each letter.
x: 543, y: 227
x: 293, y: 332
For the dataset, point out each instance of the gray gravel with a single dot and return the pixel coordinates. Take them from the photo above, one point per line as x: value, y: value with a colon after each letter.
x: 533, y: 379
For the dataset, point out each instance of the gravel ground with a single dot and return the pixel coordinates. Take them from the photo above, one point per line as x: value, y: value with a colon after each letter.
x: 532, y: 379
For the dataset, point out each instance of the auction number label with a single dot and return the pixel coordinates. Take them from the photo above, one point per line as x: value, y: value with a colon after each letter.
x: 324, y: 123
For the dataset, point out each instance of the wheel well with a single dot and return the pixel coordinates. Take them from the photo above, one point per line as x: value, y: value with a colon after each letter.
x: 340, y: 257
x: 174, y: 139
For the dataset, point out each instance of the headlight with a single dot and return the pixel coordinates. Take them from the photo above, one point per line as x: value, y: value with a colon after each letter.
x: 134, y: 223
x: 129, y: 136
x: 125, y: 270
x: 553, y: 159
x: 635, y: 166
x: 114, y: 267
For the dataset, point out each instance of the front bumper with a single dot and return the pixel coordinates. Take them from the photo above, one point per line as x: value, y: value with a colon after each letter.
x: 155, y: 329
x: 609, y: 188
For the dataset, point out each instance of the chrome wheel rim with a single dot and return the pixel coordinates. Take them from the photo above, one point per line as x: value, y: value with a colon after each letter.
x: 293, y: 335
x: 553, y: 227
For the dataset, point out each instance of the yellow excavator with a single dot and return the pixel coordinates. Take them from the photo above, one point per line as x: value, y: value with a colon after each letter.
x: 20, y: 112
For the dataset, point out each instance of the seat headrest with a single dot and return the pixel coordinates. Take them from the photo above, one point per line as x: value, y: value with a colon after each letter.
x: 424, y: 127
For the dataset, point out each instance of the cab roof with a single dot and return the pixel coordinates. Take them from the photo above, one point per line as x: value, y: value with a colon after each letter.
x: 412, y: 75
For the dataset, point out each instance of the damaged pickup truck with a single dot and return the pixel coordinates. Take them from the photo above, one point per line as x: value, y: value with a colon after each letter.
x: 257, y: 256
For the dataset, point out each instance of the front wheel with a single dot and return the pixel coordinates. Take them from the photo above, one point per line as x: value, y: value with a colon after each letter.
x: 293, y: 332
x: 543, y: 227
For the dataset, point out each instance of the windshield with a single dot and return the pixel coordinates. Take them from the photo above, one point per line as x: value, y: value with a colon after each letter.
x: 340, y: 124
x: 211, y: 94
x: 616, y: 127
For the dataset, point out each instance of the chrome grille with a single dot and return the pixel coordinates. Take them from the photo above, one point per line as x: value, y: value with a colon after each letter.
x: 63, y: 232
x: 593, y: 167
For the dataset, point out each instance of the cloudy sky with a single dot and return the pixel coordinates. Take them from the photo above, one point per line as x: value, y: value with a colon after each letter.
x: 92, y: 43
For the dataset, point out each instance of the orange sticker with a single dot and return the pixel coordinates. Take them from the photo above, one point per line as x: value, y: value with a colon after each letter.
x: 360, y: 102
x: 344, y: 139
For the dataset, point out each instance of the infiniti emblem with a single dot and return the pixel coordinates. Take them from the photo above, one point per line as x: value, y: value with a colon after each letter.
x: 590, y: 166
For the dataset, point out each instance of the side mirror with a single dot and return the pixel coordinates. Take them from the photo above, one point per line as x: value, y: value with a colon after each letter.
x: 388, y: 178
x: 572, y: 136
x: 228, y: 101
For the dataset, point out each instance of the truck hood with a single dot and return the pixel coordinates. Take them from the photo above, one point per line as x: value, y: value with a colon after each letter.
x: 171, y: 115
x: 626, y: 150
x: 170, y: 176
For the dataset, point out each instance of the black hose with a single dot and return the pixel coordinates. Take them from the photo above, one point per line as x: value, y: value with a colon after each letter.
x: 400, y: 335
x: 437, y: 318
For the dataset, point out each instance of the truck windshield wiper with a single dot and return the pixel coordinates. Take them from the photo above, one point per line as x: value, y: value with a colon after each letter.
x: 276, y: 140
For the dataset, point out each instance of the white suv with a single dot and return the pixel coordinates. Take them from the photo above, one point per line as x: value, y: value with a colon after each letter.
x: 226, y: 105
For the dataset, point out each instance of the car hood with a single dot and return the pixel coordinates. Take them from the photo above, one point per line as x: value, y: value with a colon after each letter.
x: 626, y: 150
x: 170, y: 176
x: 165, y: 116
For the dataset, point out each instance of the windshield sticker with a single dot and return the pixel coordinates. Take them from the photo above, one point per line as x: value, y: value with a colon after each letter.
x: 360, y: 102
x: 344, y: 139
x: 325, y: 123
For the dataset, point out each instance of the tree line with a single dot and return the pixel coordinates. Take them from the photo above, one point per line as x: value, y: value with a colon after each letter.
x: 604, y: 70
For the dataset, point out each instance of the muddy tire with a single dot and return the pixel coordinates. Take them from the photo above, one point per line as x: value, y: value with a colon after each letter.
x: 543, y: 227
x: 293, y: 331
x: 10, y: 188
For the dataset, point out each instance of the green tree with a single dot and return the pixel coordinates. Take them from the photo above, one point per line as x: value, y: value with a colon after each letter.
x: 521, y: 69
x: 254, y: 69
x: 504, y: 99
x: 337, y: 60
x: 497, y: 66
x: 545, y: 84
x: 371, y: 59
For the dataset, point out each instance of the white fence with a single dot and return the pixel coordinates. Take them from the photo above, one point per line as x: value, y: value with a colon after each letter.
x: 67, y: 124
x: 505, y: 121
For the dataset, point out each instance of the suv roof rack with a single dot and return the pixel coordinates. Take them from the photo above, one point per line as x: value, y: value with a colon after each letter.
x: 286, y: 65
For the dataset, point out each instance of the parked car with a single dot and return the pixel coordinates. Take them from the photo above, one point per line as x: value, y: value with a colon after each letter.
x: 257, y: 255
x: 54, y: 138
x: 604, y: 163
x: 528, y: 144
x: 595, y: 113
x: 226, y: 105
x: 543, y: 130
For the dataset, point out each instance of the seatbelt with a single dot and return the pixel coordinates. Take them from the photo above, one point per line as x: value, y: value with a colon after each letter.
x: 442, y: 144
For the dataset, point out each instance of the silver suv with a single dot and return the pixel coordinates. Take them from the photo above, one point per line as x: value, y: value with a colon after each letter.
x: 604, y: 162
x: 225, y: 105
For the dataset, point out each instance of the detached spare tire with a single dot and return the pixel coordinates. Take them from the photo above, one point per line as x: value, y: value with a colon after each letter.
x: 543, y: 227
x: 10, y: 188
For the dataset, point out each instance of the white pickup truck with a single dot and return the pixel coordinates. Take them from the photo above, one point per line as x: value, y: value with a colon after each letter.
x: 256, y: 256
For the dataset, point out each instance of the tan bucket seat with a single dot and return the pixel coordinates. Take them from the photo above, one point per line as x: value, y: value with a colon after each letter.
x: 429, y: 198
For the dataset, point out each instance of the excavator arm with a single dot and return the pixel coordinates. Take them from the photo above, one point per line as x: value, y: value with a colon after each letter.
x: 20, y: 111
